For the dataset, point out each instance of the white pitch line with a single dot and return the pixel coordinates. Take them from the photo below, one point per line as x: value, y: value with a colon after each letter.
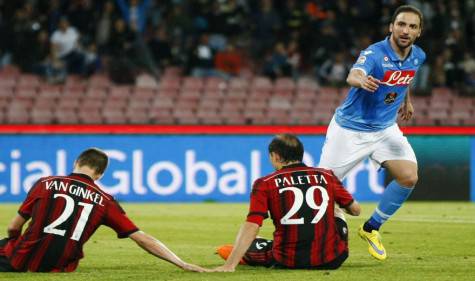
x: 433, y: 220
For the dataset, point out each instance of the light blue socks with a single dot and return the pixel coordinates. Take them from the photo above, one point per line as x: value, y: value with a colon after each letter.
x: 393, y: 197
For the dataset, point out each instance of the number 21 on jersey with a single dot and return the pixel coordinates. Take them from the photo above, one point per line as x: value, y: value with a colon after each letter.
x: 67, y: 212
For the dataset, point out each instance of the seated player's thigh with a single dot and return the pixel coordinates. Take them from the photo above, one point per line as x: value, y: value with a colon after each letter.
x: 259, y: 253
x: 342, y: 228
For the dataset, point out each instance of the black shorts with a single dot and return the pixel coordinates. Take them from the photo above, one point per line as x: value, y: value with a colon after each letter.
x: 260, y: 252
x: 4, y: 262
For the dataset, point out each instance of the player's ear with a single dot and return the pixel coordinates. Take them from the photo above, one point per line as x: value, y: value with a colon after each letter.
x: 391, y: 27
x: 97, y: 176
x: 272, y: 156
x: 275, y: 157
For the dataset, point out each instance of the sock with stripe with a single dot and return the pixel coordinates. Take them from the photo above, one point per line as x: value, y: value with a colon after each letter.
x: 393, y: 197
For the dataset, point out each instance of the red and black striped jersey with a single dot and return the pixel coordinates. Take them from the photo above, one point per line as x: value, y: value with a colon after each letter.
x: 65, y: 212
x: 301, y: 201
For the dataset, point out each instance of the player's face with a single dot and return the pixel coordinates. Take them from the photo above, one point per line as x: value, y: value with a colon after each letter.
x: 406, y: 29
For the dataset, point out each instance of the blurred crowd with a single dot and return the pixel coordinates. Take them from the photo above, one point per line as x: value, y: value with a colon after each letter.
x: 226, y: 38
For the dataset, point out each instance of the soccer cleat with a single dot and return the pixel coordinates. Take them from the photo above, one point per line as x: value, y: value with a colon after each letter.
x: 224, y: 252
x: 375, y: 247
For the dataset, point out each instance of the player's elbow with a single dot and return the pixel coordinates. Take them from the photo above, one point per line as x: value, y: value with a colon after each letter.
x: 140, y: 237
x: 145, y: 241
x: 352, y: 80
x: 348, y: 79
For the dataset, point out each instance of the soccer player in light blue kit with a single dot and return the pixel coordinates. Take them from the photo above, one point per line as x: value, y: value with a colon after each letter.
x: 365, y: 124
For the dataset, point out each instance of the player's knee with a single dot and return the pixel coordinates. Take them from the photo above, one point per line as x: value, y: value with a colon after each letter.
x: 408, y: 179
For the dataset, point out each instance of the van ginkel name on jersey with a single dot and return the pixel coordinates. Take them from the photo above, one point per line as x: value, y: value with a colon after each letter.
x: 75, y: 190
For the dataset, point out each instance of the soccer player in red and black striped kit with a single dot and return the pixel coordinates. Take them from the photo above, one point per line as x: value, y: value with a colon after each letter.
x: 301, y: 202
x: 65, y: 211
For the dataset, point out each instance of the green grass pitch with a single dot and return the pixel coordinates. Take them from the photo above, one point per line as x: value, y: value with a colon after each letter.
x: 425, y: 241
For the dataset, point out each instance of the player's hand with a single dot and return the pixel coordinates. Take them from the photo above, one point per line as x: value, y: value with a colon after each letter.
x: 369, y: 83
x: 406, y: 111
x: 224, y: 268
x: 194, y: 268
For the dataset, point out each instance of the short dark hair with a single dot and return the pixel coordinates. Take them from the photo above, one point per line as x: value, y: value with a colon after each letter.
x: 288, y: 147
x: 93, y: 158
x: 408, y: 9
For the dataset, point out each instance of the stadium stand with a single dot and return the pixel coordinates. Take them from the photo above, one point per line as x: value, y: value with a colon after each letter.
x: 285, y: 50
x: 192, y: 100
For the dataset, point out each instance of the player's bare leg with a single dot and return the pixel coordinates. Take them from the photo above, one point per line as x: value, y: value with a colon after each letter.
x: 403, y: 171
x: 405, y: 178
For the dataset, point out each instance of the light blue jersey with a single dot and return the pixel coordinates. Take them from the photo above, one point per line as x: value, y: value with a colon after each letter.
x: 370, y: 112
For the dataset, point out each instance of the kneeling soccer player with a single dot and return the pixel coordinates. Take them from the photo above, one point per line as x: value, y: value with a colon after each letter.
x: 64, y: 212
x: 301, y: 202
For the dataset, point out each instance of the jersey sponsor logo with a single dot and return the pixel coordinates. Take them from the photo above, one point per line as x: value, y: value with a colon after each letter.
x: 398, y: 77
x: 390, y: 98
x: 365, y: 53
x: 361, y: 60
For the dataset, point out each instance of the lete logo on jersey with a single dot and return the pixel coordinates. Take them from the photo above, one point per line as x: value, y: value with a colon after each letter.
x: 398, y: 77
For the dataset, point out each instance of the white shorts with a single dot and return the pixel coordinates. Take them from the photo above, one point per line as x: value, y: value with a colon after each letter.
x: 344, y: 149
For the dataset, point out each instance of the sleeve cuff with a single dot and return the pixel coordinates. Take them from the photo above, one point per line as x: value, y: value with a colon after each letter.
x: 126, y: 234
x: 362, y: 69
x: 256, y: 217
x: 348, y: 204
x: 24, y: 215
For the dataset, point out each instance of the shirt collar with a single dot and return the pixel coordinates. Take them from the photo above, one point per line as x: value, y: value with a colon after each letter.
x: 294, y: 165
x: 84, y: 176
x: 392, y: 54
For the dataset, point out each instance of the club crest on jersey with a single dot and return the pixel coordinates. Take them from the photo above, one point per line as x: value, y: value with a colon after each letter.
x: 398, y: 77
x: 390, y: 98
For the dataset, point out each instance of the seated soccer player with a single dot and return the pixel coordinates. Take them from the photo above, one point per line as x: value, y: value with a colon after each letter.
x: 301, y: 202
x: 65, y: 211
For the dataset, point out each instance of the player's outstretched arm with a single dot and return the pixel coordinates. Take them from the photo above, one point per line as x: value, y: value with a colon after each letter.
x: 158, y: 249
x: 358, y: 79
x: 244, y: 238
